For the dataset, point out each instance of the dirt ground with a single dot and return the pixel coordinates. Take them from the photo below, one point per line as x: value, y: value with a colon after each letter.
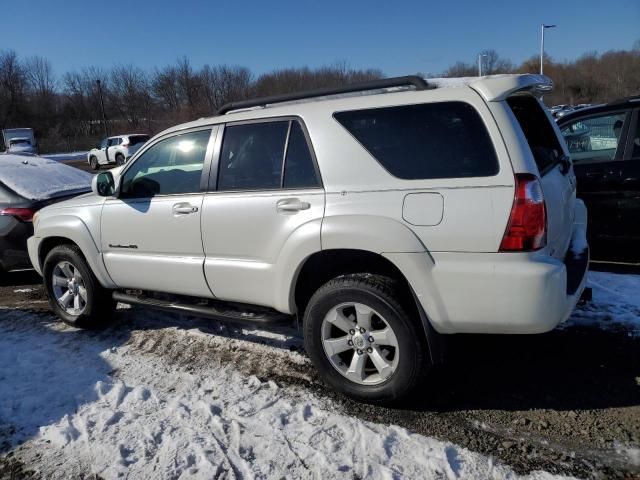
x: 567, y: 402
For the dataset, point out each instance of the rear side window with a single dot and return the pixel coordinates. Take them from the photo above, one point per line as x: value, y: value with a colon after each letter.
x: 538, y: 131
x: 299, y: 169
x: 435, y: 140
x: 136, y: 139
x: 253, y: 157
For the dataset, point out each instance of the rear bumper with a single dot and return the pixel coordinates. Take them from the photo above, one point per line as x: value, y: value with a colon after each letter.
x: 503, y: 293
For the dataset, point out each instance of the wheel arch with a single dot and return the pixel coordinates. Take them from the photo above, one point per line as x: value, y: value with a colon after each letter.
x: 68, y: 229
x: 325, y: 265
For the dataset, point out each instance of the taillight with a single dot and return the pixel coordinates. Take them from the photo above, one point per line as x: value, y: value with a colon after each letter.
x: 527, y: 227
x: 125, y: 144
x: 22, y: 214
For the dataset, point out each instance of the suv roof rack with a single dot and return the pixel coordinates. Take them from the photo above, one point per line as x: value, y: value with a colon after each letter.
x: 418, y: 82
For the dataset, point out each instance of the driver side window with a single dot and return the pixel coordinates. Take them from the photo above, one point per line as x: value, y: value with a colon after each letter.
x: 171, y: 166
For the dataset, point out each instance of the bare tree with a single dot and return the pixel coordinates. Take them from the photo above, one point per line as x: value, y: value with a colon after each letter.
x: 12, y: 89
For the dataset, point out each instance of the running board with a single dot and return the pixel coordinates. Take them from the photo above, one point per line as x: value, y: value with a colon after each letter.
x: 234, y: 313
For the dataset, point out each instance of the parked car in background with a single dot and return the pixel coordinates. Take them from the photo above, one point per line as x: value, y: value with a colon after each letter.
x: 28, y: 183
x: 116, y: 149
x: 604, y: 144
x: 395, y: 211
x: 20, y: 140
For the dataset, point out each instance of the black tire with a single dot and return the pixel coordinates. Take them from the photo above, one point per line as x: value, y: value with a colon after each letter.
x: 93, y: 161
x: 99, y: 307
x: 119, y: 159
x: 380, y: 293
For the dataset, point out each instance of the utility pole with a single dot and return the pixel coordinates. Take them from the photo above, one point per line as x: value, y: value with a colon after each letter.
x: 543, y: 27
x: 104, y: 115
x: 480, y: 55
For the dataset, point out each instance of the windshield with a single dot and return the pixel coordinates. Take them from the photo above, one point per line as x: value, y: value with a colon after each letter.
x: 19, y: 141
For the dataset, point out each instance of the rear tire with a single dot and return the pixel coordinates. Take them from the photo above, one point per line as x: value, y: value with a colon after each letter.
x: 74, y: 293
x: 361, y: 317
x: 93, y: 162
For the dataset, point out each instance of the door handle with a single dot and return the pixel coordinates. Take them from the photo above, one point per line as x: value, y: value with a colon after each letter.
x: 184, y: 209
x: 292, y: 205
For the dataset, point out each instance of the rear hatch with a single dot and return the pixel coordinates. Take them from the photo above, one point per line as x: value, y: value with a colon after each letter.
x: 558, y: 181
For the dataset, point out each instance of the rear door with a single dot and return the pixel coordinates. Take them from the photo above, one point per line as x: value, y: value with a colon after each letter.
x: 150, y: 234
x: 263, y: 212
x: 596, y: 145
x: 558, y: 179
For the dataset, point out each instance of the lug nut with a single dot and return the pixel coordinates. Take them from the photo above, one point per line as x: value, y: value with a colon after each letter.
x: 352, y: 332
x: 370, y: 339
x: 360, y: 352
x: 350, y: 343
x: 362, y: 330
x: 369, y: 350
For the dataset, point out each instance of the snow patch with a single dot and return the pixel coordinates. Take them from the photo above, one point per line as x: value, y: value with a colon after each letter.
x: 38, y: 178
x: 84, y: 405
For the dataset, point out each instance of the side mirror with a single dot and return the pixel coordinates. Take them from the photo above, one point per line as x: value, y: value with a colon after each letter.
x: 103, y: 184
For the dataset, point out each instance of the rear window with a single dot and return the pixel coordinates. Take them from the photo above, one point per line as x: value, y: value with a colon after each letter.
x: 435, y: 140
x: 538, y: 131
x: 137, y: 139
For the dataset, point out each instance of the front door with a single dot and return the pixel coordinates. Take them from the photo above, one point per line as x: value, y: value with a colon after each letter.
x: 150, y: 234
x: 263, y: 215
x: 597, y: 151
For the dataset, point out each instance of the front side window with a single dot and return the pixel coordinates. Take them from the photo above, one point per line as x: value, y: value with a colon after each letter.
x: 171, y: 166
x: 425, y: 141
x: 594, y: 139
x: 104, y: 142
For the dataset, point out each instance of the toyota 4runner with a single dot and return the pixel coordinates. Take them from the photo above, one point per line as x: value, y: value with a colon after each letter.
x: 382, y: 214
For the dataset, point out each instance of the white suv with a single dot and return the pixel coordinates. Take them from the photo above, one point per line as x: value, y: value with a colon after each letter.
x: 383, y: 215
x: 115, y: 149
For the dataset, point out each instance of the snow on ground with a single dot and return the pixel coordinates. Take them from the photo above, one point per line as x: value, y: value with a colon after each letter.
x: 63, y: 157
x: 86, y: 403
x: 148, y: 399
x: 615, y: 305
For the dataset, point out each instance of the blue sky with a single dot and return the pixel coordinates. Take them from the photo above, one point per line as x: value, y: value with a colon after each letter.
x: 397, y: 37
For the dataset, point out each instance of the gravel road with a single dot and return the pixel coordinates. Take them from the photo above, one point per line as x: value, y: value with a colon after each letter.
x: 566, y: 402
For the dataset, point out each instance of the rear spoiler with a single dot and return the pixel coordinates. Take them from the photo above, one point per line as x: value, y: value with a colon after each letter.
x: 495, y: 88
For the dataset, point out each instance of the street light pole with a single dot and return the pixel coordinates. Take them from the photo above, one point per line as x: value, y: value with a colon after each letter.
x: 543, y: 27
x: 480, y: 55
x: 104, y: 115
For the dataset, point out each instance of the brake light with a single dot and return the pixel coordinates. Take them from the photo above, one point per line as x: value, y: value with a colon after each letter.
x: 527, y: 227
x: 22, y: 214
x: 125, y: 144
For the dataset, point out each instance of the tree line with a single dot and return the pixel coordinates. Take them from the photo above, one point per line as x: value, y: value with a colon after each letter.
x: 65, y: 110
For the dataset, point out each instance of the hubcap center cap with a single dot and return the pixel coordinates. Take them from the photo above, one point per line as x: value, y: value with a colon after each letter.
x: 359, y: 341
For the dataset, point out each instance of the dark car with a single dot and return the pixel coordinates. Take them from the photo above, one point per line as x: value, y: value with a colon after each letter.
x: 28, y: 183
x: 604, y: 143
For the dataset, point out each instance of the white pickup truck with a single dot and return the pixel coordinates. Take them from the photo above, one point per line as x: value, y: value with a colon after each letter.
x: 383, y: 215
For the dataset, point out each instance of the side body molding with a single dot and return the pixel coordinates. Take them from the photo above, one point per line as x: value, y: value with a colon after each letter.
x: 73, y: 228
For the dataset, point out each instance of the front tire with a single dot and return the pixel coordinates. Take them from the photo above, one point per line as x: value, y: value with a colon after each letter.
x: 93, y: 162
x: 362, y: 341
x: 74, y: 293
x: 119, y: 159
